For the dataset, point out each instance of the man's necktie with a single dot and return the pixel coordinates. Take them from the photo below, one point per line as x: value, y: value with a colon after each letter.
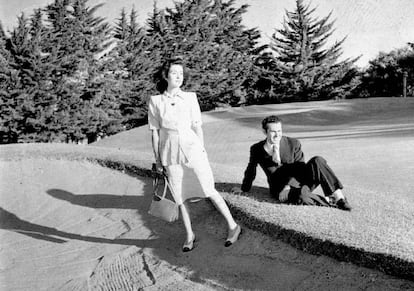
x: 276, y: 154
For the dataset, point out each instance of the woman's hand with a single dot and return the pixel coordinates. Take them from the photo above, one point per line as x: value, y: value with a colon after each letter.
x: 159, y: 167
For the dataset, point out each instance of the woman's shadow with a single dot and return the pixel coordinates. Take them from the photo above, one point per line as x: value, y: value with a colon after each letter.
x: 10, y: 221
x: 99, y: 200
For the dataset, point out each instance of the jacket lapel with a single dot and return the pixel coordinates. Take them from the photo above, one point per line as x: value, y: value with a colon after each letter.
x: 263, y: 152
x: 284, y: 149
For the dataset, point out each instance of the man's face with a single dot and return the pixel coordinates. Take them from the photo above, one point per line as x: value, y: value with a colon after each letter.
x: 274, y: 132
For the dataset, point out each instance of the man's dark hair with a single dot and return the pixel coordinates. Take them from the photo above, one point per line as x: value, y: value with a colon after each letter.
x: 161, y: 76
x: 270, y: 119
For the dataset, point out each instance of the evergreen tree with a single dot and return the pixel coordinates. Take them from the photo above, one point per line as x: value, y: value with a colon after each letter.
x: 229, y: 28
x: 77, y: 40
x: 216, y: 46
x: 29, y: 96
x: 36, y: 75
x: 21, y: 101
x: 309, y: 69
x: 134, y: 63
x: 5, y: 59
x: 266, y: 76
x: 54, y: 86
x: 9, y: 88
x: 121, y: 30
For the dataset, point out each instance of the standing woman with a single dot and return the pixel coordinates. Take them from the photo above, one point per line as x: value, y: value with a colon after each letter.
x: 174, y: 119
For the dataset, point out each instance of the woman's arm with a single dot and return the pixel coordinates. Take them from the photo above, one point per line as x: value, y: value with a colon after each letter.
x: 154, y: 126
x: 155, y: 147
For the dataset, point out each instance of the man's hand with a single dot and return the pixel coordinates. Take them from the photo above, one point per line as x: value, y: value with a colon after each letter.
x: 284, y: 194
x: 236, y: 190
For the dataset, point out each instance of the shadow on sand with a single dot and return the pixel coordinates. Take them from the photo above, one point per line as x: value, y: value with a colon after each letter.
x: 11, y: 222
x: 209, y: 255
x: 98, y: 200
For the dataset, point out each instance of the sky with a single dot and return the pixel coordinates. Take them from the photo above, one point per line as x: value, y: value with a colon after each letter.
x: 370, y: 26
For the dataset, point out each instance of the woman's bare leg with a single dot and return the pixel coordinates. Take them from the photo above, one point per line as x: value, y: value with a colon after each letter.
x: 187, y: 222
x: 202, y: 169
x: 222, y: 207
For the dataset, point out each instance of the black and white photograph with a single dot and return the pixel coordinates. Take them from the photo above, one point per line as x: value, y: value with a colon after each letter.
x: 206, y: 145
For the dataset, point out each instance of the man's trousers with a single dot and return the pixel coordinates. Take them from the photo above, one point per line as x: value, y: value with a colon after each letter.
x: 313, y: 173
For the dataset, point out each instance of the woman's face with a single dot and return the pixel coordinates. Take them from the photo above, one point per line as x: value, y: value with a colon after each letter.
x: 175, y: 76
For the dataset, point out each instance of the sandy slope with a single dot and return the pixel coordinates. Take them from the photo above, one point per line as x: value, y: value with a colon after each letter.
x: 71, y: 225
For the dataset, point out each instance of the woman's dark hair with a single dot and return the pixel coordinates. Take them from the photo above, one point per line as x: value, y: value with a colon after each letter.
x: 270, y: 119
x: 161, y: 76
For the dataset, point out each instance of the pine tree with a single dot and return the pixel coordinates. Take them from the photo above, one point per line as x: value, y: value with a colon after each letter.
x: 134, y: 63
x: 309, y: 69
x: 22, y: 101
x: 5, y: 59
x: 77, y: 40
x: 230, y: 29
x: 9, y: 88
x: 266, y: 76
x: 39, y: 72
x: 217, y: 48
x: 28, y: 96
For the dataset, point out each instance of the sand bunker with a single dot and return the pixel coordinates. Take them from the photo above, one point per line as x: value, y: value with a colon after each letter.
x: 72, y: 225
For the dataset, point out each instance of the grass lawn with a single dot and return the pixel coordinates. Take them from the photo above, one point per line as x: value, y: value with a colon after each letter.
x: 369, y: 143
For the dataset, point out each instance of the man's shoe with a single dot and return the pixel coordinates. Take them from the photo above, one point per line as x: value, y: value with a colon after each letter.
x: 233, y: 236
x: 343, y: 204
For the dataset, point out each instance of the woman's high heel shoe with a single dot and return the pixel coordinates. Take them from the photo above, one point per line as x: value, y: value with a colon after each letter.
x: 189, y: 246
x: 233, y: 236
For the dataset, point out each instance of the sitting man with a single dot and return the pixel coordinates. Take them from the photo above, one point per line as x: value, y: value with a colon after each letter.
x: 290, y: 179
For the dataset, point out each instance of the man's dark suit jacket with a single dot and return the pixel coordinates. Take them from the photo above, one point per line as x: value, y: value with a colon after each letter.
x: 278, y: 176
